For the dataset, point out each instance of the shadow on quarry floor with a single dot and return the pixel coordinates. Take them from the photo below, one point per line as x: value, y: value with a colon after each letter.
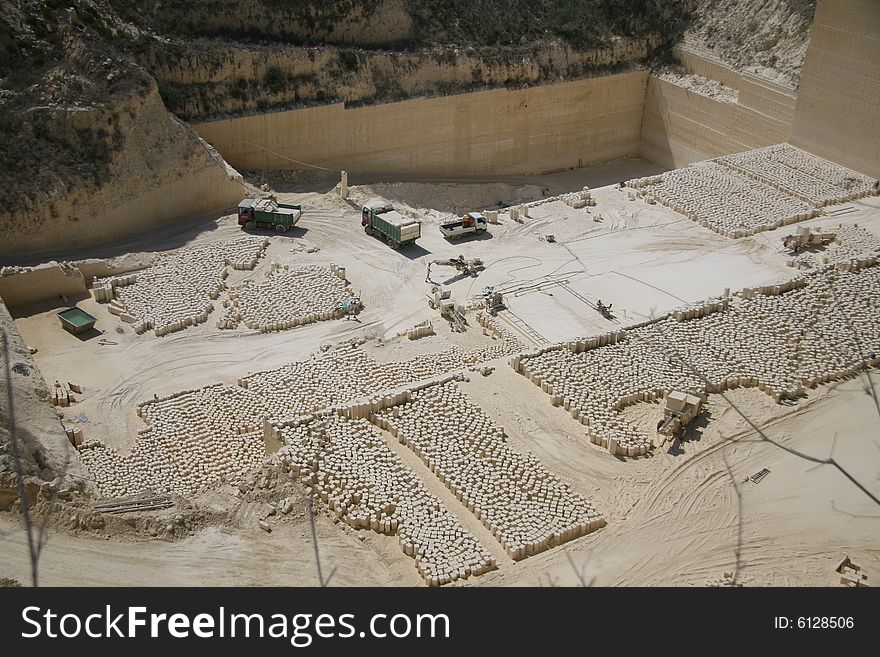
x: 164, y: 237
x: 594, y: 175
x: 61, y: 302
x: 297, y: 232
x: 693, y: 434
x: 414, y: 252
x: 89, y: 335
x: 471, y: 238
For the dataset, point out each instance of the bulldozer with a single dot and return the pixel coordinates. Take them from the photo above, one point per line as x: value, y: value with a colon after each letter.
x: 680, y: 410
x: 806, y: 238
x: 468, y: 267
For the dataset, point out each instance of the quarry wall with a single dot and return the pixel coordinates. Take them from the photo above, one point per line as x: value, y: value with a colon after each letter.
x: 84, y: 219
x: 838, y: 110
x: 40, y: 283
x: 681, y: 126
x: 220, y: 79
x: 46, y: 453
x: 499, y: 131
x: 160, y: 173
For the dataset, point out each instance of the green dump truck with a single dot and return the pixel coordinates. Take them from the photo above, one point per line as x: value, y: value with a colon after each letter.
x: 267, y: 212
x: 380, y: 219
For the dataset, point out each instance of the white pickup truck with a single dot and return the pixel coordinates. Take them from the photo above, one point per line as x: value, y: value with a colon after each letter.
x: 472, y: 222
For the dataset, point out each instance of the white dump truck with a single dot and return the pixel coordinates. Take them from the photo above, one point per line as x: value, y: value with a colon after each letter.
x: 472, y: 222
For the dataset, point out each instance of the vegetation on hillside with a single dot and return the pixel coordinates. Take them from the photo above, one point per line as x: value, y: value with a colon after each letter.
x: 580, y: 23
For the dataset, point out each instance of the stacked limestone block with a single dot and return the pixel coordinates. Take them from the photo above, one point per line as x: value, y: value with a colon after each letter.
x: 347, y: 463
x: 287, y: 298
x: 802, y: 175
x: 343, y: 375
x: 595, y: 384
x: 193, y: 440
x: 851, y: 241
x: 782, y: 339
x: 178, y: 292
x: 419, y: 331
x: 197, y: 437
x: 525, y: 507
x: 723, y: 200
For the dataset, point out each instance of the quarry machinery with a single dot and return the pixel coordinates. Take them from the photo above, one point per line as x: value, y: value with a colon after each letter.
x: 472, y: 222
x: 267, y: 212
x: 604, y: 310
x: 492, y: 300
x: 439, y: 299
x: 806, y: 238
x: 680, y: 410
x: 380, y: 219
x: 468, y: 267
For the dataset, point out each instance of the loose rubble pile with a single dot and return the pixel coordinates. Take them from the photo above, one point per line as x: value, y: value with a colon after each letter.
x: 723, y: 200
x: 783, y: 339
x: 177, y: 292
x: 347, y: 463
x: 525, y: 507
x: 698, y: 84
x: 801, y: 175
x: 728, y: 580
x: 850, y: 242
x: 288, y: 298
x: 197, y: 437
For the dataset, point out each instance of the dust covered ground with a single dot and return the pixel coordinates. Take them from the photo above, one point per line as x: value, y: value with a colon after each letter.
x: 682, y: 518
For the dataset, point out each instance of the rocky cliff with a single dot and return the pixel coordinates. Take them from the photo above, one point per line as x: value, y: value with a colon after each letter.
x: 768, y: 37
x: 88, y: 151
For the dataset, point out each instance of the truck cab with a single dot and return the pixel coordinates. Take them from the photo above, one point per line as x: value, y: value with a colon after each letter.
x: 474, y: 220
x: 372, y: 209
x: 246, y: 211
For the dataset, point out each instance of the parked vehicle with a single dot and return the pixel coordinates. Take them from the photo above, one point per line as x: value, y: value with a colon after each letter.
x: 472, y: 222
x: 383, y: 221
x: 267, y: 213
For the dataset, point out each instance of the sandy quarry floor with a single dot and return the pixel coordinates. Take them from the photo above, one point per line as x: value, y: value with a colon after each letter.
x: 672, y: 519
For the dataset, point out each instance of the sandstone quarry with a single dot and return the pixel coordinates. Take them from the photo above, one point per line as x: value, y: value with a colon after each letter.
x: 422, y: 291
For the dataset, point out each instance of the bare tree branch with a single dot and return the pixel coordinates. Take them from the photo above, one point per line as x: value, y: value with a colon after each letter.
x: 19, y: 466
